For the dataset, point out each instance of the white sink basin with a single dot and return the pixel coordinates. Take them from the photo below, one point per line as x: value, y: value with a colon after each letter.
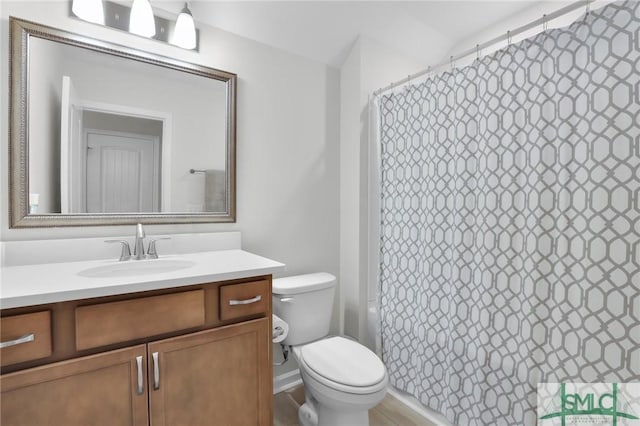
x: 137, y: 267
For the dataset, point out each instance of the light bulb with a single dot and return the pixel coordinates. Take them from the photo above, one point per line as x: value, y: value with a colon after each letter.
x: 184, y: 33
x: 89, y: 10
x: 141, y: 20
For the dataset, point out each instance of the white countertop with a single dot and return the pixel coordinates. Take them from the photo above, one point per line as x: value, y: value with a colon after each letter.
x: 38, y: 284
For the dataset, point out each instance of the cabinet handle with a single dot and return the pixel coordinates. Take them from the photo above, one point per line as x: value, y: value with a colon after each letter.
x: 233, y: 302
x: 140, y: 378
x: 156, y: 371
x: 20, y: 340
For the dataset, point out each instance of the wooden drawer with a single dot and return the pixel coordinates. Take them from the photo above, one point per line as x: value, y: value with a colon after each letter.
x: 114, y: 322
x: 35, y: 327
x: 241, y: 300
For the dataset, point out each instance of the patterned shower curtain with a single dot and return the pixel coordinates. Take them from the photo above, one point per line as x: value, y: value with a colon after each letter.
x: 510, y: 214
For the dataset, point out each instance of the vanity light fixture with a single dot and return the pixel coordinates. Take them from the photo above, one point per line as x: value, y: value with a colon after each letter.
x: 184, y: 33
x: 89, y: 10
x: 141, y: 20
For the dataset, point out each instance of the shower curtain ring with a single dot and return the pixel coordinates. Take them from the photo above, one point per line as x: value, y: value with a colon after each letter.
x: 545, y: 23
x: 588, y: 9
x: 478, y: 52
x: 451, y: 63
x: 508, y: 38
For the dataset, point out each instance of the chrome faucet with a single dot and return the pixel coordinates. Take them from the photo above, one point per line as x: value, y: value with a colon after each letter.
x: 138, y: 246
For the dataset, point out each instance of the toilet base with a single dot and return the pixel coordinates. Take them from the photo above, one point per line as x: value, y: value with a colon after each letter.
x: 307, y: 415
x: 324, y: 416
x: 328, y: 417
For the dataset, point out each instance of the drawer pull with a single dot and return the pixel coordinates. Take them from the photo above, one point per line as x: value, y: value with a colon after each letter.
x: 156, y: 371
x: 233, y: 302
x: 140, y: 378
x: 20, y: 340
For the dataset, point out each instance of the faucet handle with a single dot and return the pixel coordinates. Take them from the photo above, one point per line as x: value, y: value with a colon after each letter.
x: 152, y: 253
x: 125, y: 254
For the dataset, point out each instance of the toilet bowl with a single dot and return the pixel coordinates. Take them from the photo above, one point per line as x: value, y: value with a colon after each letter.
x: 342, y: 378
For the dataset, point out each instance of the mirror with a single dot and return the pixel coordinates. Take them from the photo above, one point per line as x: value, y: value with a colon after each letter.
x: 103, y: 134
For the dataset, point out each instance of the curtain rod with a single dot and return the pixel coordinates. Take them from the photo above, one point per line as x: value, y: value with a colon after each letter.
x: 538, y: 22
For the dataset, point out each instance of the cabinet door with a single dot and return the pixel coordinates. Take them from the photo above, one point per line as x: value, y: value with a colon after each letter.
x: 215, y: 377
x: 95, y: 390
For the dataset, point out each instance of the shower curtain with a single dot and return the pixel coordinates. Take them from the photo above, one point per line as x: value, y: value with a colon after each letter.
x: 510, y: 222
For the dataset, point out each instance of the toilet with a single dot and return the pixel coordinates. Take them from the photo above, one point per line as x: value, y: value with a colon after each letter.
x: 342, y: 378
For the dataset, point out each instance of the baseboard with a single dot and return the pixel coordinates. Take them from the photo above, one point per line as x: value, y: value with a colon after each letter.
x: 286, y: 381
x: 415, y: 405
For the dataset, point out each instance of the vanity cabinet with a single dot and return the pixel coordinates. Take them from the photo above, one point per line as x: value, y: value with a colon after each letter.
x: 94, y: 390
x: 214, y: 377
x: 201, y: 357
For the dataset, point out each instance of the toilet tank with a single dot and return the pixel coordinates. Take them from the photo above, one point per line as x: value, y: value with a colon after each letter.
x: 305, y: 302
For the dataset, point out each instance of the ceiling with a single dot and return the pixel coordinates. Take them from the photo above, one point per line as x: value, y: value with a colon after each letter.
x: 325, y: 30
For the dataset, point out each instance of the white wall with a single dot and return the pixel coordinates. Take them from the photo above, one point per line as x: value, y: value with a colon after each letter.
x: 349, y: 181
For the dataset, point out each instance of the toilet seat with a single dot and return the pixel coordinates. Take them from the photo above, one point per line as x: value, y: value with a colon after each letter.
x: 343, y: 365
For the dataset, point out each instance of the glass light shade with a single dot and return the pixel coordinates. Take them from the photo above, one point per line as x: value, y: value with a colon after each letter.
x: 89, y: 10
x: 184, y: 33
x: 141, y: 20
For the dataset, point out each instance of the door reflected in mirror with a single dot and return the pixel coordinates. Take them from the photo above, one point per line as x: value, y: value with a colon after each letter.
x: 119, y: 163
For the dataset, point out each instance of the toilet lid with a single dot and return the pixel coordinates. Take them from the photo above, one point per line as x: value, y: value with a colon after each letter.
x: 343, y: 361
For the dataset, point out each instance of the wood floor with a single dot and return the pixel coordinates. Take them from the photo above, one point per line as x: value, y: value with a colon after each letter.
x: 390, y: 412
